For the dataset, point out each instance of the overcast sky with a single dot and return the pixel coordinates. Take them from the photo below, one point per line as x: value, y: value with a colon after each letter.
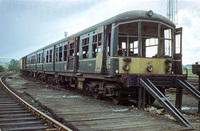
x: 27, y: 25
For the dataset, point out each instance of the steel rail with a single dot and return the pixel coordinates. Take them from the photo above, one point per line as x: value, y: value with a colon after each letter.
x: 40, y: 114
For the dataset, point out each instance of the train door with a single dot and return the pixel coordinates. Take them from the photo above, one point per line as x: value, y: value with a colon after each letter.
x: 178, y: 52
x: 99, y: 56
x: 100, y: 42
x: 102, y: 54
x: 71, y: 54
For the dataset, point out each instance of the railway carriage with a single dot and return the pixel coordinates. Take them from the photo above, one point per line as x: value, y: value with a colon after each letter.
x: 109, y: 58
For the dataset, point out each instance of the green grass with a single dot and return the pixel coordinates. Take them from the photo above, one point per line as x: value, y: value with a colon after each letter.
x: 189, y: 73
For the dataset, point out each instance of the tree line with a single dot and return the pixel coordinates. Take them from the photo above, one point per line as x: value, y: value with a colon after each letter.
x: 12, y: 67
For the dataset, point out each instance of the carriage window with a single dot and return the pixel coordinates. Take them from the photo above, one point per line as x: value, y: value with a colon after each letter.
x: 77, y: 47
x: 149, y: 39
x: 39, y: 58
x: 32, y: 59
x: 178, y: 44
x: 99, y: 39
x: 60, y: 53
x: 94, y: 46
x: 94, y: 40
x: 29, y: 60
x: 108, y: 41
x: 56, y: 54
x: 128, y: 46
x: 166, y: 41
x: 151, y: 47
x: 50, y: 58
x: 71, y: 49
x: 65, y: 53
x: 128, y: 40
x: 47, y: 56
x: 135, y: 48
x: 122, y: 48
x: 85, y: 48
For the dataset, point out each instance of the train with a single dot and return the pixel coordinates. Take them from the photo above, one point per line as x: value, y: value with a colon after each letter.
x: 109, y: 58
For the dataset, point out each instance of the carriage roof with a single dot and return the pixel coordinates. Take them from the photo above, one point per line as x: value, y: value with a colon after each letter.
x: 123, y: 17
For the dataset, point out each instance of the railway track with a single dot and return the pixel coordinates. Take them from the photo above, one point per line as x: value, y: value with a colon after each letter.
x: 84, y: 113
x: 194, y: 81
x: 18, y: 115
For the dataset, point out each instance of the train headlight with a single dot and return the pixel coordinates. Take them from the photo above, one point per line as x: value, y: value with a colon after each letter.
x: 150, y: 13
x: 169, y: 69
x: 150, y: 68
x: 126, y: 67
x: 127, y: 60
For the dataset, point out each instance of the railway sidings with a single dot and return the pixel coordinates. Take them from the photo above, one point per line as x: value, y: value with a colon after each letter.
x: 81, y: 112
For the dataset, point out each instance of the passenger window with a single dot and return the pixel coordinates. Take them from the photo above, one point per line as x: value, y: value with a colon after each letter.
x: 60, y: 53
x: 178, y: 44
x: 99, y: 39
x: 85, y: 48
x: 127, y: 46
x: 50, y: 59
x: 37, y: 58
x: 94, y: 46
x: 56, y: 54
x: 166, y: 41
x: 47, y: 57
x: 151, y: 47
x: 108, y: 43
x: 128, y: 40
x: 122, y: 47
x: 77, y: 48
x: 133, y: 48
x: 71, y: 49
x: 32, y: 59
x: 40, y: 58
x: 65, y: 53
x: 135, y: 45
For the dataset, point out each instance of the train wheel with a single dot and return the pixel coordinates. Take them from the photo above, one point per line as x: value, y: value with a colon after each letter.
x: 96, y: 95
x: 116, y: 100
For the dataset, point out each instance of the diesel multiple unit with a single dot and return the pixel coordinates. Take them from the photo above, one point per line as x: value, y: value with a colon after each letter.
x: 109, y: 58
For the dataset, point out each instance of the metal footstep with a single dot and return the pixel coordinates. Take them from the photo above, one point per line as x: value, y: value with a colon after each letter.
x: 155, y: 92
x: 193, y: 91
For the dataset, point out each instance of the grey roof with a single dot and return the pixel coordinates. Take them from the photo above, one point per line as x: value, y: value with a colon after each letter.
x: 50, y: 45
x: 123, y: 17
x: 127, y: 16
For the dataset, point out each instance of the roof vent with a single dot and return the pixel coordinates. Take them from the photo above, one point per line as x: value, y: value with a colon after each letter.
x: 150, y: 13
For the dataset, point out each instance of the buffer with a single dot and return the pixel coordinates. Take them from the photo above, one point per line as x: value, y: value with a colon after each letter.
x: 155, y: 92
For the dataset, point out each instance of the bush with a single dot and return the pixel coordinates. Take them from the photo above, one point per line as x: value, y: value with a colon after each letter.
x: 14, y: 66
x: 2, y: 68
